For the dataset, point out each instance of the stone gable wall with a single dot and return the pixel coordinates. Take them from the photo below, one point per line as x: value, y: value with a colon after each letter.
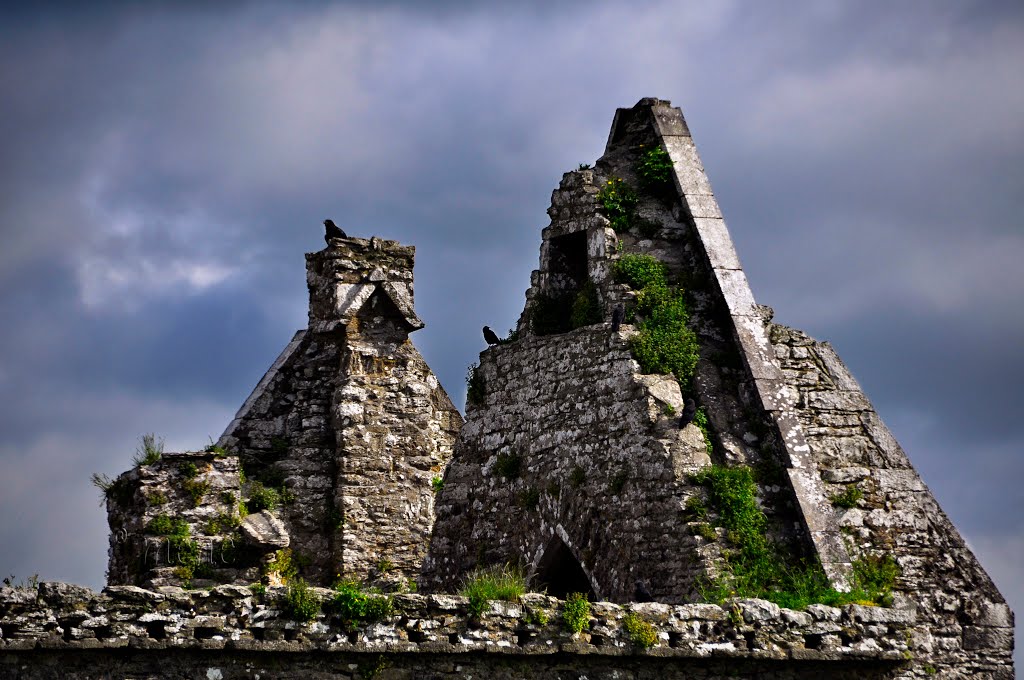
x: 964, y: 626
x: 606, y: 475
x: 349, y: 425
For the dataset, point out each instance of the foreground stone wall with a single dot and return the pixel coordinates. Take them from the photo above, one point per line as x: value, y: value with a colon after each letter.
x: 65, y: 631
x: 964, y: 626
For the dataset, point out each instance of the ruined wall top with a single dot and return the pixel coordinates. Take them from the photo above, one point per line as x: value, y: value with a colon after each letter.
x: 348, y: 273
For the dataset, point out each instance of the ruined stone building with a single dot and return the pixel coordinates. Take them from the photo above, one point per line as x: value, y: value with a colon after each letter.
x: 339, y: 444
x: 580, y: 461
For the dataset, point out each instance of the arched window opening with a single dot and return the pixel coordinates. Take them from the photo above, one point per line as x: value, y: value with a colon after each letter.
x: 560, y: 573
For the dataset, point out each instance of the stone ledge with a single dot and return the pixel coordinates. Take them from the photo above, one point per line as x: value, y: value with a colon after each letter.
x: 233, y: 618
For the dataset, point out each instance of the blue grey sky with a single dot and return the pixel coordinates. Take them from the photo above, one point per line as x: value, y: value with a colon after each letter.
x: 165, y: 166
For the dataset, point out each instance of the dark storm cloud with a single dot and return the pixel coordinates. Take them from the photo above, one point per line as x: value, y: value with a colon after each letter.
x: 164, y: 169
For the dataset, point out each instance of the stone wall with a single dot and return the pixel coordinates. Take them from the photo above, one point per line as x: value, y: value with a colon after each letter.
x: 964, y: 626
x: 571, y: 463
x: 574, y: 401
x: 568, y: 483
x: 195, y: 489
x: 67, y: 631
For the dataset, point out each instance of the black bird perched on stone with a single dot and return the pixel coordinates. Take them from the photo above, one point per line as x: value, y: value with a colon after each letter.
x: 617, y: 315
x: 490, y: 337
x: 641, y: 594
x: 333, y: 231
x: 689, y: 411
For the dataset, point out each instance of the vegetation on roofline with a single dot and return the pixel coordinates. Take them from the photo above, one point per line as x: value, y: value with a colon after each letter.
x: 215, y: 449
x: 654, y: 171
x: 664, y: 343
x: 117, y: 490
x: 641, y: 633
x: 300, y: 602
x: 354, y: 603
x: 576, y: 613
x: 149, y: 452
x: 758, y: 567
x: 32, y: 583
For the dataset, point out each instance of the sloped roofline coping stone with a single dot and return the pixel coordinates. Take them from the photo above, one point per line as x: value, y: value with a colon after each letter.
x: 716, y: 247
x: 63, y: 616
x: 262, y: 386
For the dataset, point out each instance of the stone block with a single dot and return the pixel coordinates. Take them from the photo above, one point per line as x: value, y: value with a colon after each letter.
x: 820, y: 612
x: 837, y: 370
x: 758, y: 354
x: 873, y: 615
x: 837, y: 400
x: 265, y: 530
x: 700, y: 205
x: 714, y: 237
x: 732, y: 284
x: 846, y: 475
x: 689, y: 173
x: 57, y: 593
x: 668, y: 121
x: 775, y: 396
x: 758, y: 610
x: 988, y: 638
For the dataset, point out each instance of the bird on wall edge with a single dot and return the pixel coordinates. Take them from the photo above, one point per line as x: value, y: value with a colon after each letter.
x: 333, y: 231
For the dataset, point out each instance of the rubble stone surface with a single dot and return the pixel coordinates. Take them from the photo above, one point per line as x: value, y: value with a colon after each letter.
x: 231, y: 632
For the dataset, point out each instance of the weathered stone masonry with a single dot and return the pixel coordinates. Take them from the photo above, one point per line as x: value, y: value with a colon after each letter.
x: 965, y: 628
x: 571, y: 463
x: 364, y: 422
x: 588, y: 408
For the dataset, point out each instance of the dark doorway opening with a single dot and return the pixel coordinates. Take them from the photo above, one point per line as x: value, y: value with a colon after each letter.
x: 568, y: 299
x: 567, y: 263
x: 560, y: 573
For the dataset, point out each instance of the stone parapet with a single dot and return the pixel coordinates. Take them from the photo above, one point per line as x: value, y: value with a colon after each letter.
x: 64, y: 617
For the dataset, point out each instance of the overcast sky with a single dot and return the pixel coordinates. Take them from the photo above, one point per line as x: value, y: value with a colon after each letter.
x: 163, y: 170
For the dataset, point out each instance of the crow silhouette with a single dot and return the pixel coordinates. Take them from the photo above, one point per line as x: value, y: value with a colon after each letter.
x: 490, y: 337
x: 333, y: 231
x: 641, y: 594
x: 689, y: 411
x: 617, y: 315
